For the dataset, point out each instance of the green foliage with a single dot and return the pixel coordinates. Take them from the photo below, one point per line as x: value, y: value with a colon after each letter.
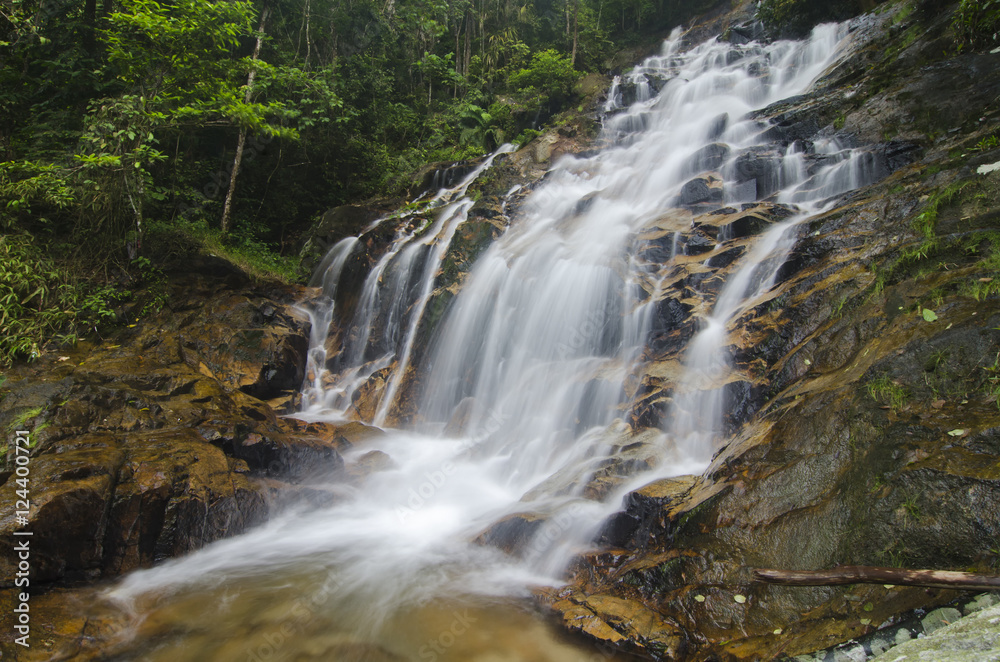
x: 888, y: 392
x: 988, y: 143
x: 925, y: 223
x: 26, y: 183
x: 549, y: 73
x: 40, y: 301
x: 992, y: 385
x: 241, y: 247
x: 18, y: 422
x: 798, y: 16
x: 911, y: 508
x: 977, y: 24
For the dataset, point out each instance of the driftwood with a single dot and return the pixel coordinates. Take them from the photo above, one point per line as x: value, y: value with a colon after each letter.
x: 863, y: 574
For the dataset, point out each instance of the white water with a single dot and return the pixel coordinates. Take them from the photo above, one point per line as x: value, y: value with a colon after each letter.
x: 527, y: 371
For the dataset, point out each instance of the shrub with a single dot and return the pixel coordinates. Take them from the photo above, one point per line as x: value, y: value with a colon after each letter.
x: 39, y: 302
x: 977, y: 24
x: 549, y: 73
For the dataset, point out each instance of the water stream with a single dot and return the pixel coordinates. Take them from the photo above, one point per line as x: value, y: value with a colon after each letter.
x: 524, y: 400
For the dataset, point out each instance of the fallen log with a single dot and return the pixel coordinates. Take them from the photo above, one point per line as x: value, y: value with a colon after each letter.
x: 863, y: 574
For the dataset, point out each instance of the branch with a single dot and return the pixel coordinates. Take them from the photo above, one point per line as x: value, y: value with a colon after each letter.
x: 862, y: 574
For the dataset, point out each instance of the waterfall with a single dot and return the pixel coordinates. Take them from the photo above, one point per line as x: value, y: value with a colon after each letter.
x: 393, y: 298
x: 524, y: 411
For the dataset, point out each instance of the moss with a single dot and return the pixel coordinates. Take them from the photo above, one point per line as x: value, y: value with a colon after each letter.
x: 884, y: 390
x: 903, y: 42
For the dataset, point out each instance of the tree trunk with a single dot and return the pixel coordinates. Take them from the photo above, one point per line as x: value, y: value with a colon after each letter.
x: 469, y: 26
x: 90, y: 27
x: 576, y: 30
x: 458, y: 58
x: 861, y: 574
x: 227, y: 208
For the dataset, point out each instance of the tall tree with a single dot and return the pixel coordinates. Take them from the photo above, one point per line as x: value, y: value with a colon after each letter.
x: 227, y: 208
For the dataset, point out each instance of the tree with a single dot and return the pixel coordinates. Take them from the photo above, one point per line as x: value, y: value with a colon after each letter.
x: 228, y: 206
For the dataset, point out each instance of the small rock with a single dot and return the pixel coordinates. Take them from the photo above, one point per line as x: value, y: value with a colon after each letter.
x: 939, y: 618
x: 981, y: 602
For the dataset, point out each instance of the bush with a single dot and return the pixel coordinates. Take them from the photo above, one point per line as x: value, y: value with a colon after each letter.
x: 794, y: 18
x: 977, y: 24
x: 41, y: 303
x: 549, y: 73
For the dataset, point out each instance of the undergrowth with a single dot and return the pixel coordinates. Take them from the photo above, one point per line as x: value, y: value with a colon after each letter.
x: 977, y: 24
x: 258, y: 260
x: 43, y: 302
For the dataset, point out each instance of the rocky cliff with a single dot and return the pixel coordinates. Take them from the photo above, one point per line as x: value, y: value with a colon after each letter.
x: 864, y: 423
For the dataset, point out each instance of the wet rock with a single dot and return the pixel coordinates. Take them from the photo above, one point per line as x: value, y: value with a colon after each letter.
x: 707, y: 189
x: 697, y: 243
x: 616, y: 621
x: 333, y: 225
x: 512, y: 533
x: 718, y: 126
x: 175, y: 493
x: 369, y: 463
x: 292, y: 457
x: 746, y: 33
x: 709, y: 157
x: 643, y: 511
x: 69, y: 492
x: 969, y: 639
x: 762, y: 166
x: 152, y: 445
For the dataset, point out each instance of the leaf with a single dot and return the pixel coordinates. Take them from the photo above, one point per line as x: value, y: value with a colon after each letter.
x: 956, y: 433
x: 929, y: 315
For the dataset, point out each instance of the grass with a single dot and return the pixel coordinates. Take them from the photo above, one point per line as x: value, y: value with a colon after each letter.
x: 913, y: 259
x: 253, y: 256
x: 992, y: 386
x: 893, y: 556
x: 884, y: 390
x: 23, y: 417
x: 910, y: 507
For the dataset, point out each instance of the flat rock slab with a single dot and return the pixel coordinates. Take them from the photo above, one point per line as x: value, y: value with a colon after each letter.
x: 974, y: 638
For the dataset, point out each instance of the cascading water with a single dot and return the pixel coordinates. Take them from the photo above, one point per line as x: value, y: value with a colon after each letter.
x: 525, y: 397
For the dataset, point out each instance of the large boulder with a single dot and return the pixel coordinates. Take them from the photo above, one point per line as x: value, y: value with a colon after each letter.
x: 166, y: 437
